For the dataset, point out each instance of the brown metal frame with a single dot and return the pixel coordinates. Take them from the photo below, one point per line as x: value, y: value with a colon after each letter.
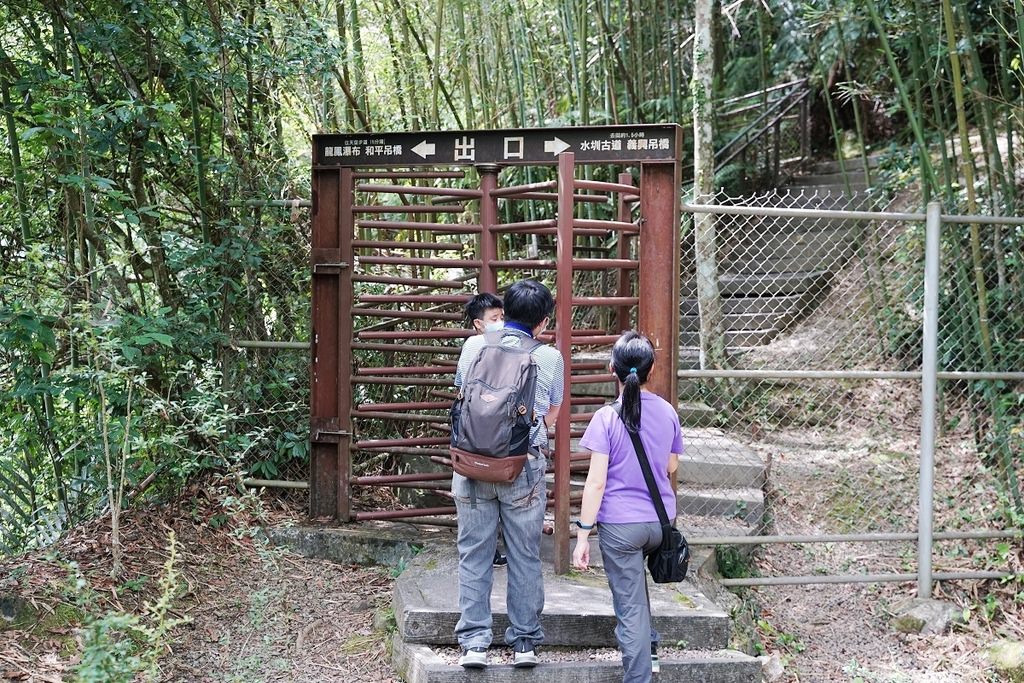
x: 336, y: 268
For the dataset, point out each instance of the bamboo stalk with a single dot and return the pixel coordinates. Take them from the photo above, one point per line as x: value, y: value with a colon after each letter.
x: 934, y: 84
x: 926, y: 165
x: 358, y: 63
x: 967, y: 168
x: 18, y: 172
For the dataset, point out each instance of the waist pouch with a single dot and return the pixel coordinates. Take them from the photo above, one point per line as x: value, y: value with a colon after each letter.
x: 487, y: 468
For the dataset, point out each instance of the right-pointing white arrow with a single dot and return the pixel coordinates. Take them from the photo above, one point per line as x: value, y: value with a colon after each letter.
x: 424, y: 149
x: 556, y: 146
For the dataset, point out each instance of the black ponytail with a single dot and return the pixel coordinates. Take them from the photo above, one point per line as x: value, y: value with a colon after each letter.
x: 632, y: 358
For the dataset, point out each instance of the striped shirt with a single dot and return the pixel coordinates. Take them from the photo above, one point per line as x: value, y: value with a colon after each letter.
x: 550, y: 388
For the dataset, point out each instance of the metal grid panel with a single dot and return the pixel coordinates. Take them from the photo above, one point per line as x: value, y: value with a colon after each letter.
x: 983, y: 415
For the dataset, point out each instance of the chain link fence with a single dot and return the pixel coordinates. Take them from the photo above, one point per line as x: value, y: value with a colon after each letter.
x: 814, y: 433
x: 266, y: 364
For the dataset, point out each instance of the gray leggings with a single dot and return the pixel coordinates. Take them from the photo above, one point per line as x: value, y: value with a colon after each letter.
x: 623, y: 547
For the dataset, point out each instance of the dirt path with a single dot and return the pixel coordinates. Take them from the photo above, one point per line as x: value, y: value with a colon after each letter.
x: 863, y: 477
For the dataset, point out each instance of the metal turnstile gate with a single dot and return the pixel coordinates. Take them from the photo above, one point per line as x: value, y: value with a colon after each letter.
x: 385, y: 336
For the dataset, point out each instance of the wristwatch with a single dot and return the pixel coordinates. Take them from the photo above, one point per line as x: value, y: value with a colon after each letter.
x: 585, y: 527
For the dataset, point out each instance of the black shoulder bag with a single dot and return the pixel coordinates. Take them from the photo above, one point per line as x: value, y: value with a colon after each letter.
x: 670, y: 561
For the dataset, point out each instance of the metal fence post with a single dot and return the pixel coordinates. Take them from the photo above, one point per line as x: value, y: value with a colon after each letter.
x: 929, y: 381
x: 563, y: 342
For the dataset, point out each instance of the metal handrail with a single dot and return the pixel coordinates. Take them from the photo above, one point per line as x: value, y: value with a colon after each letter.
x: 793, y: 101
x: 797, y: 93
x: 778, y: 86
x: 777, y: 104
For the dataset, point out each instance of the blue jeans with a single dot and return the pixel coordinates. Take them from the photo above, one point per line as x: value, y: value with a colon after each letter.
x: 623, y: 547
x: 520, y: 508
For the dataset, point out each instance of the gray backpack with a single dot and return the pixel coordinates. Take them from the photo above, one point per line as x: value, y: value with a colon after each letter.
x: 493, y: 414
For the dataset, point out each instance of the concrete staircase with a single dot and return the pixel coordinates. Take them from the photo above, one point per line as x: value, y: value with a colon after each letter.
x: 773, y: 270
x: 578, y: 622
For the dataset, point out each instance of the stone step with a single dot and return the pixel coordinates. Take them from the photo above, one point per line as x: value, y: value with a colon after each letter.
x: 851, y: 165
x: 734, y: 321
x: 775, y: 264
x: 711, y: 458
x: 735, y: 337
x: 753, y: 305
x: 745, y: 504
x: 418, y: 663
x: 689, y: 356
x: 855, y: 178
x: 759, y: 231
x: 767, y: 284
x: 824, y: 197
x: 789, y: 240
x: 578, y: 609
x: 696, y: 414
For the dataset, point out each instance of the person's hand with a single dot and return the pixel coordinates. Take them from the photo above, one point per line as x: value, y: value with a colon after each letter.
x: 581, y: 555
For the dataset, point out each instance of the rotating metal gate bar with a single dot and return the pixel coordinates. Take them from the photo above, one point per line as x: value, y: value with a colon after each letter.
x: 382, y: 367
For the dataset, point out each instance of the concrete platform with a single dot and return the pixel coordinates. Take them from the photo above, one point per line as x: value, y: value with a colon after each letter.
x: 578, y: 608
x: 418, y: 663
x: 364, y: 543
x: 734, y: 337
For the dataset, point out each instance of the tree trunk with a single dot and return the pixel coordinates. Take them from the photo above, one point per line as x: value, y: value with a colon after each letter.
x: 709, y: 299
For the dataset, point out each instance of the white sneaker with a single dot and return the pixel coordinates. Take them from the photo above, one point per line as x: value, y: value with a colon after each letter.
x: 473, y: 658
x: 525, y: 656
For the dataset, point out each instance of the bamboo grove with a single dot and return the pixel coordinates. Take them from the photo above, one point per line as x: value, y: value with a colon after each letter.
x: 143, y: 140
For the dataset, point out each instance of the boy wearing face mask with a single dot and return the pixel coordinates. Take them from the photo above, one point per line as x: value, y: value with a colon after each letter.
x: 485, y: 313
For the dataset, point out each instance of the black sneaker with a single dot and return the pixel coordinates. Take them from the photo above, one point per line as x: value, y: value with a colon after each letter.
x: 499, y: 559
x: 655, y: 663
x: 473, y: 658
x: 524, y: 655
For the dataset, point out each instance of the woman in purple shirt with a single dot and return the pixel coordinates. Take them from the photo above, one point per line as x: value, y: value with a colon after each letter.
x: 617, y: 500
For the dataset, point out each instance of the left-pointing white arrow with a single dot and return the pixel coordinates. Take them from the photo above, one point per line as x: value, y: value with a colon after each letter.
x: 424, y: 149
x: 556, y: 146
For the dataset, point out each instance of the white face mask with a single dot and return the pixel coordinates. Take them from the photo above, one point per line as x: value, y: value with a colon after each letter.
x: 495, y: 326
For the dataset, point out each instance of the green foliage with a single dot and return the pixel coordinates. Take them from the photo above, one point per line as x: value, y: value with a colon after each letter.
x: 733, y: 563
x: 118, y: 646
x: 108, y: 651
x: 779, y: 640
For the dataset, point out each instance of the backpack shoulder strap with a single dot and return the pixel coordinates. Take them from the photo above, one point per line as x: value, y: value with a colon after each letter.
x: 531, y: 344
